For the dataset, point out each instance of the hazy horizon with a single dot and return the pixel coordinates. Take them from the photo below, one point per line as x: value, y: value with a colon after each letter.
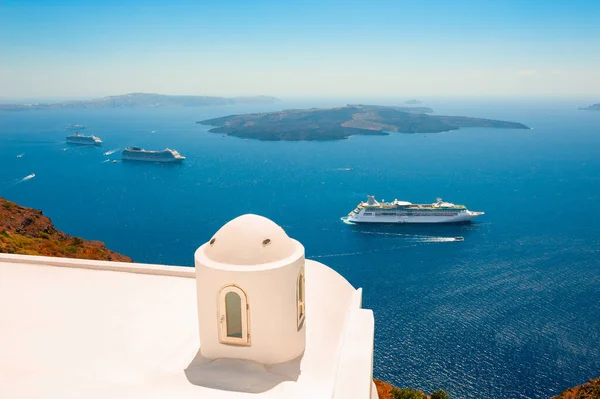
x: 399, y: 99
x: 378, y: 49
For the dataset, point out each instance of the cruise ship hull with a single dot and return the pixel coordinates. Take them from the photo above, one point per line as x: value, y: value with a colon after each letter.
x: 172, y: 160
x: 460, y: 218
x: 92, y: 143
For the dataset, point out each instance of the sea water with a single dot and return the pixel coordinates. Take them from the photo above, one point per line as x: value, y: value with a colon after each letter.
x: 513, y: 311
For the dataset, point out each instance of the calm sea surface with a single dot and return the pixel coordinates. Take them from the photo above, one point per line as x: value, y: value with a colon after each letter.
x: 513, y: 311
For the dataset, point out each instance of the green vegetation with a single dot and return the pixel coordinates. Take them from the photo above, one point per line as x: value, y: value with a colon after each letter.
x: 440, y: 394
x: 71, y: 249
x: 45, y: 236
x: 409, y: 393
x: 46, y: 245
x: 343, y: 122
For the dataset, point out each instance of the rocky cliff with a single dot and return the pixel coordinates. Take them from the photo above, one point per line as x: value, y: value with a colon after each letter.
x: 388, y: 391
x: 27, y: 231
x: 589, y: 390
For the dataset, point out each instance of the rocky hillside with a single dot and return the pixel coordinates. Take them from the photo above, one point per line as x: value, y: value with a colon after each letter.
x: 589, y: 390
x: 27, y: 231
x: 388, y: 391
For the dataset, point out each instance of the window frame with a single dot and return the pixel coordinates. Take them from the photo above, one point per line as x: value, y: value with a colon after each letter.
x: 300, y: 299
x: 244, y: 340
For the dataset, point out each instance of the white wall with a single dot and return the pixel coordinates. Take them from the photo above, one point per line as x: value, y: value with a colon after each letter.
x: 271, y: 294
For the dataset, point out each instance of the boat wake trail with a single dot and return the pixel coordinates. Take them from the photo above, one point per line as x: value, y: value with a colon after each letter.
x: 437, y: 239
x: 336, y: 255
x: 417, y: 237
x: 407, y: 237
x: 111, y: 151
x: 28, y: 177
x: 12, y: 183
x: 388, y: 234
x: 370, y: 251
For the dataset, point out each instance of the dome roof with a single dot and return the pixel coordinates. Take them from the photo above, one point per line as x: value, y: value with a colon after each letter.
x: 249, y: 240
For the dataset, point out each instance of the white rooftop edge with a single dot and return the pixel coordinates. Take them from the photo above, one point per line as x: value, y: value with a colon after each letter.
x: 73, y: 328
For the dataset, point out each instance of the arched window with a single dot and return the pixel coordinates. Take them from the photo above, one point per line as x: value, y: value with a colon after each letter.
x: 300, y: 295
x: 234, y: 316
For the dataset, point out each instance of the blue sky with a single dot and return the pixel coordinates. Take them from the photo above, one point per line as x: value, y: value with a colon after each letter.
x: 295, y: 49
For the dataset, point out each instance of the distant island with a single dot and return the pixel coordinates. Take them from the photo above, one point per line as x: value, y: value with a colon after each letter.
x: 593, y: 107
x: 141, y: 100
x: 413, y: 102
x: 27, y: 231
x: 340, y: 123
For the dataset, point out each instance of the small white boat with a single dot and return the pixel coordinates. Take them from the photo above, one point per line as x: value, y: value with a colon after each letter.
x: 75, y: 127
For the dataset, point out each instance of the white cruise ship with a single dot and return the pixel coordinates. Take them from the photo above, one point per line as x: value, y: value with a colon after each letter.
x: 138, y: 154
x: 406, y: 212
x: 79, y: 138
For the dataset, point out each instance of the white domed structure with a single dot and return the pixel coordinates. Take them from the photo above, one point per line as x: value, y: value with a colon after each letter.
x: 250, y: 285
x: 242, y: 242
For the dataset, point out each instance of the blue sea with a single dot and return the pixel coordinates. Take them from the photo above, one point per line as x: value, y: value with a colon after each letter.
x: 513, y: 311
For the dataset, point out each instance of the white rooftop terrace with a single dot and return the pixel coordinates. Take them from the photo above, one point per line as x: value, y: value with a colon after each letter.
x: 91, y: 329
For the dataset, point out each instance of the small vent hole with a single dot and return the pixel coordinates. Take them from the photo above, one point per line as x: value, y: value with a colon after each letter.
x: 266, y: 241
x: 212, y: 241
